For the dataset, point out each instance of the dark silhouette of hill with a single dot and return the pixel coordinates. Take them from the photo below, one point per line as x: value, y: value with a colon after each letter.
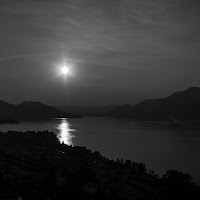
x: 85, y: 110
x: 6, y: 111
x: 37, y: 110
x: 29, y: 111
x: 184, y: 105
x: 35, y: 165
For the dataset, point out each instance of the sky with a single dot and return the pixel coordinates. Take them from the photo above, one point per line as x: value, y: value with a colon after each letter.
x: 118, y: 51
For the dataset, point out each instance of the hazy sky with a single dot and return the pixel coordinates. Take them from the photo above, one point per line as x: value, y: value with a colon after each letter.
x: 120, y: 51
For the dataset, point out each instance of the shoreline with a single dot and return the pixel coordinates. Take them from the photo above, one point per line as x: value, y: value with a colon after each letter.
x: 37, y: 158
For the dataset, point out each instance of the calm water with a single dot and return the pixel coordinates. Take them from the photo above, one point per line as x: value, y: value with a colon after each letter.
x: 159, y: 145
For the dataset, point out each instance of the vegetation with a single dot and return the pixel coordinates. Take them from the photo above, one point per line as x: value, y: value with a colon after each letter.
x: 34, y: 165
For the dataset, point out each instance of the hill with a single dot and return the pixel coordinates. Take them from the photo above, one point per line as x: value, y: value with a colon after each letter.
x: 85, y: 111
x: 184, y: 105
x: 29, y: 111
x: 34, y: 165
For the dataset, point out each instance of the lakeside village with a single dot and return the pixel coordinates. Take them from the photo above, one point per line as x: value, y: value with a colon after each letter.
x: 35, y: 166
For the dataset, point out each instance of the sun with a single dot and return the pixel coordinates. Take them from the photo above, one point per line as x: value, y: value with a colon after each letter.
x: 64, y: 70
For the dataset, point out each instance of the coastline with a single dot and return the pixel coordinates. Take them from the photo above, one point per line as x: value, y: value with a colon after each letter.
x: 33, y: 160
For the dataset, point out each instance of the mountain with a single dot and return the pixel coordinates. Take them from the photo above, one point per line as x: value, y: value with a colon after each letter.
x: 6, y: 110
x: 29, y: 111
x: 37, y: 110
x: 184, y: 105
x: 85, y: 111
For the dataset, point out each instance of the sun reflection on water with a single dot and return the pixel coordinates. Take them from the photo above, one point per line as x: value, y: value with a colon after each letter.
x: 65, y: 132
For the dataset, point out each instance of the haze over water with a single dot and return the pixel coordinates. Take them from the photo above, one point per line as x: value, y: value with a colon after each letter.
x: 159, y: 145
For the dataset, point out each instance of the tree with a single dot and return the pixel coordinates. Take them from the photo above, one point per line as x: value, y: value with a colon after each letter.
x: 177, y: 179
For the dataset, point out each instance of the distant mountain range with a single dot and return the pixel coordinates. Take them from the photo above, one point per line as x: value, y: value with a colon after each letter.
x: 184, y: 105
x: 86, y: 111
x: 29, y: 111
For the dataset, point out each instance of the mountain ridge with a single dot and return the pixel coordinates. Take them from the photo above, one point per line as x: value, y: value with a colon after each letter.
x: 30, y: 110
x: 182, y: 105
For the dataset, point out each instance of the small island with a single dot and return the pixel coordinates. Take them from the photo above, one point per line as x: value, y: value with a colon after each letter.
x: 34, y: 165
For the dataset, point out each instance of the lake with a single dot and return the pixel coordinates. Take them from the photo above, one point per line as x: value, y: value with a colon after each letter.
x: 159, y: 145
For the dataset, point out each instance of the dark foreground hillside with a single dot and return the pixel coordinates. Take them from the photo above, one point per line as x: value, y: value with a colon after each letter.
x: 34, y: 165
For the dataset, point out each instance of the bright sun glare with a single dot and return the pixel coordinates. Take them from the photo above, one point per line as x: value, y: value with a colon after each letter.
x: 64, y: 70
